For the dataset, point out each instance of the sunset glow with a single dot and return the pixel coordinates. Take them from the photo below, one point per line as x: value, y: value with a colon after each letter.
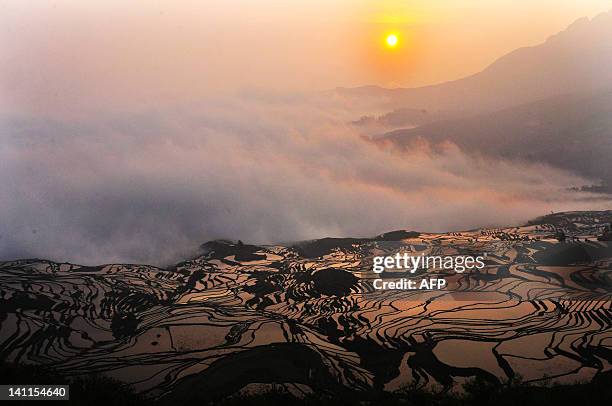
x: 212, y: 202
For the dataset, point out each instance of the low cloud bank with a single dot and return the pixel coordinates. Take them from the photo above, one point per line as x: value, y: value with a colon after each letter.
x: 151, y: 186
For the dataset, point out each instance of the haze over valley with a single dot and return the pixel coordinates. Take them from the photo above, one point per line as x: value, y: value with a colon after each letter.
x: 95, y: 169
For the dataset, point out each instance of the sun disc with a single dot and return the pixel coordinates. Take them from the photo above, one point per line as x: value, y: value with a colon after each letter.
x: 392, y: 40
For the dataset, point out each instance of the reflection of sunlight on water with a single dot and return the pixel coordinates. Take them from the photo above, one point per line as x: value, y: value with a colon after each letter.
x: 151, y: 326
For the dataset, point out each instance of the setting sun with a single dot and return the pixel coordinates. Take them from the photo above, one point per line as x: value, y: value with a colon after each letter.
x: 391, y: 40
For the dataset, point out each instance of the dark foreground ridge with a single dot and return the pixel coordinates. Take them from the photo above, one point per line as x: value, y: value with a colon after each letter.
x: 278, y: 324
x: 99, y: 390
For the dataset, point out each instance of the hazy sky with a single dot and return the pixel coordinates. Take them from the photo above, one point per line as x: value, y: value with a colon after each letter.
x: 64, y: 53
x: 126, y: 132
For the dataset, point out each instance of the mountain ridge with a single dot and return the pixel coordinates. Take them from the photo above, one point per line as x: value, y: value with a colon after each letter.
x: 570, y: 132
x: 221, y: 248
x: 526, y: 74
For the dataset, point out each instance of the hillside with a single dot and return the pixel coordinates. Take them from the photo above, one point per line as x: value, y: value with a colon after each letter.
x: 306, y: 317
x: 568, y: 132
x: 577, y: 59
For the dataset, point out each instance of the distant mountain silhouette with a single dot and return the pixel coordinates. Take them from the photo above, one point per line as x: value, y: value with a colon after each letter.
x: 577, y: 59
x: 569, y: 132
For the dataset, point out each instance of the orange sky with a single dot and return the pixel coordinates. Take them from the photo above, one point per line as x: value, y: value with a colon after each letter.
x: 157, y: 49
